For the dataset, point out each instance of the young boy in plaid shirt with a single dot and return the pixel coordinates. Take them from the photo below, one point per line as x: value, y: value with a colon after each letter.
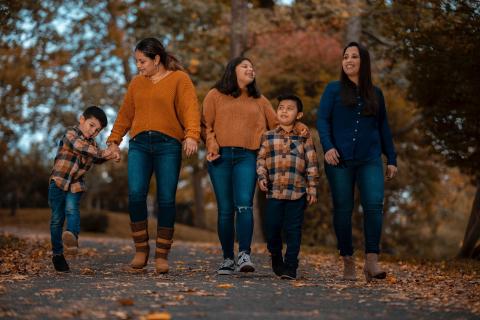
x: 77, y: 152
x: 287, y: 169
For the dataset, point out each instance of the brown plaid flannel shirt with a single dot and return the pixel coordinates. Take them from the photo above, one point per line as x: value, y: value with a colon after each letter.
x: 75, y: 156
x: 288, y: 161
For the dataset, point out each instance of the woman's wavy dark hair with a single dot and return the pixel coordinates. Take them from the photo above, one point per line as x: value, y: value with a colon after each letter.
x: 349, y: 90
x: 152, y: 47
x: 228, y: 84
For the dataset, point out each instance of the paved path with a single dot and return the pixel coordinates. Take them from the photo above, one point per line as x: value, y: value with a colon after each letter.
x: 100, y: 287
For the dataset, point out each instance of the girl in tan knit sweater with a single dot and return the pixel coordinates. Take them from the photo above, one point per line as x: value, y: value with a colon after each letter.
x: 235, y: 115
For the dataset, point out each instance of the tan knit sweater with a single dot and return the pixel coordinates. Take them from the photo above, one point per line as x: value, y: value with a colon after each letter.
x: 169, y: 106
x: 235, y: 122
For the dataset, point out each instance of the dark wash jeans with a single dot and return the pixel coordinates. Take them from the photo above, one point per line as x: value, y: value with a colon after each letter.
x: 234, y: 176
x: 149, y: 152
x: 368, y: 176
x: 286, y: 216
x: 64, y: 204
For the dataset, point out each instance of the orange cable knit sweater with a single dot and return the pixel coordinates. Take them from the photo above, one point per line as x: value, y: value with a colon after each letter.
x: 235, y: 122
x: 169, y: 106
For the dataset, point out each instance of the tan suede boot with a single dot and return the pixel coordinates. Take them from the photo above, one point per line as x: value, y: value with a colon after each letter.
x: 372, y: 269
x: 349, y: 268
x: 164, y: 243
x: 142, y: 249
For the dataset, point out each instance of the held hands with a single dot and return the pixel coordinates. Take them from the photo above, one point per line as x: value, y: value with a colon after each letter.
x: 190, y: 146
x: 332, y: 157
x: 391, y: 172
x: 112, y: 153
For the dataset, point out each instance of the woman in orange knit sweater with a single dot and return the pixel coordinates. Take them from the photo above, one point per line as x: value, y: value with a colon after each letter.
x: 235, y: 115
x: 160, y: 111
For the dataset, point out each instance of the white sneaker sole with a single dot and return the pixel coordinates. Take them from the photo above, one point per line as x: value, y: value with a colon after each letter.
x: 224, y: 272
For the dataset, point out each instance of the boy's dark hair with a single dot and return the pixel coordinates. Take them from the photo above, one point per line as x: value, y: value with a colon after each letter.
x: 97, y: 113
x: 290, y: 96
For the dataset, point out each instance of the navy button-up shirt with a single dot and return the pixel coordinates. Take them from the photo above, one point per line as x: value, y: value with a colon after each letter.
x: 354, y: 135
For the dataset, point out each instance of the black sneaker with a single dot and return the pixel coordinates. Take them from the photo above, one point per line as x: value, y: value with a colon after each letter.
x: 289, y: 273
x: 60, y: 263
x: 277, y: 264
x: 227, y: 267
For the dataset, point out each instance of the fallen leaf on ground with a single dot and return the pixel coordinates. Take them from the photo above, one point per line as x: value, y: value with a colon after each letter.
x: 158, y: 316
x: 126, y: 302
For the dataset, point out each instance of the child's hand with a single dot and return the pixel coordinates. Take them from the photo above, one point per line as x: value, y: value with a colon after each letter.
x: 311, y: 199
x: 262, y: 184
x: 212, y: 156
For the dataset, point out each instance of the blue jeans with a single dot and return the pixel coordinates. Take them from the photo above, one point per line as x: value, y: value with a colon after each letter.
x: 152, y: 151
x: 234, y: 177
x: 64, y: 204
x: 286, y: 215
x: 368, y: 176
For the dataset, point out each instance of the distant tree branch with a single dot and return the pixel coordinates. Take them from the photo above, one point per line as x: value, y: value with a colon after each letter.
x: 409, y: 126
x: 378, y: 39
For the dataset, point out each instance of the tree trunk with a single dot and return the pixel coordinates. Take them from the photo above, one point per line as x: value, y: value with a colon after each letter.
x: 198, y: 196
x: 472, y: 233
x: 238, y: 28
x: 354, y: 25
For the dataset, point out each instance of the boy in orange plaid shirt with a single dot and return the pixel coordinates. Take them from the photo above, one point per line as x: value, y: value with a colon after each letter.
x: 287, y: 169
x: 77, y: 152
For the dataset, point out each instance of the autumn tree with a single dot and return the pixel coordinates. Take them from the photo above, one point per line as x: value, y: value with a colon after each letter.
x: 443, y: 80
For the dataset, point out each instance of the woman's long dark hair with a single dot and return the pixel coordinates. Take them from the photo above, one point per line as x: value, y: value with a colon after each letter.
x: 349, y: 90
x: 152, y: 47
x: 228, y: 83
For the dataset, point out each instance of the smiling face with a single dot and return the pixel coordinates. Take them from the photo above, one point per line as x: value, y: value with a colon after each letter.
x: 351, y: 62
x: 245, y: 73
x: 146, y: 66
x: 287, y: 112
x: 90, y: 127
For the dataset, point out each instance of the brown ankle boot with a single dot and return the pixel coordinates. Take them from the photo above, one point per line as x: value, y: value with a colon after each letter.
x: 142, y: 249
x: 164, y: 243
x: 349, y: 268
x: 372, y: 269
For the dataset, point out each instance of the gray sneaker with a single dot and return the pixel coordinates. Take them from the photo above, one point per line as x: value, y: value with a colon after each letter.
x: 227, y: 267
x: 244, y: 262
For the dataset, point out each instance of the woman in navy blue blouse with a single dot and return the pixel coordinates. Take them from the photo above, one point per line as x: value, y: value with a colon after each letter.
x: 354, y: 132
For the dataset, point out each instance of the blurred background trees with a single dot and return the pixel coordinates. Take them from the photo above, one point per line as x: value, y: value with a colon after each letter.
x: 57, y: 57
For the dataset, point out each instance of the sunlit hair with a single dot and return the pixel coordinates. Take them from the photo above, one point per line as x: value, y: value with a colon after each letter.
x: 228, y: 83
x: 152, y: 47
x: 97, y: 113
x: 365, y: 89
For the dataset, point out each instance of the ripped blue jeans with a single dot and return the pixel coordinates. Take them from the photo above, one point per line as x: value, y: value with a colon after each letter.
x: 233, y: 176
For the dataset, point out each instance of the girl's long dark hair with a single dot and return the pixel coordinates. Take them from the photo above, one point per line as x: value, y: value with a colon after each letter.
x: 349, y: 90
x: 152, y: 47
x: 228, y: 83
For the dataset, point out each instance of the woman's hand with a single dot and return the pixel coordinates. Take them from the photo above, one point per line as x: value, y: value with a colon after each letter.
x: 212, y: 156
x: 190, y: 146
x: 332, y: 157
x: 391, y: 172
